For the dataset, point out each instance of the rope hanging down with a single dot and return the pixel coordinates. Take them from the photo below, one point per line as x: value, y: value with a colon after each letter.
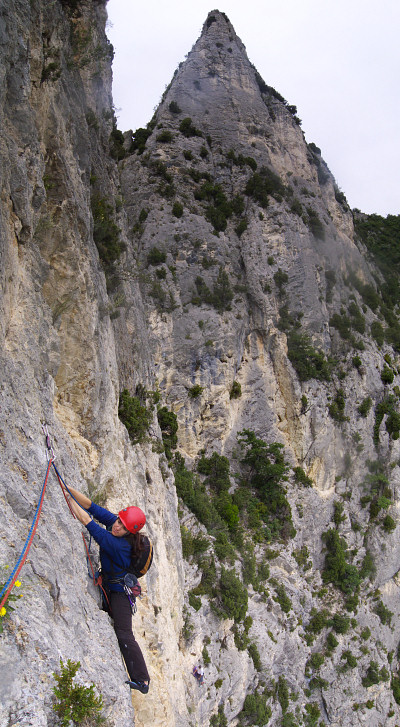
x: 21, y: 560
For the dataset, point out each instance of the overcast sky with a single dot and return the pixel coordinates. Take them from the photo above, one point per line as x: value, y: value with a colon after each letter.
x: 338, y: 61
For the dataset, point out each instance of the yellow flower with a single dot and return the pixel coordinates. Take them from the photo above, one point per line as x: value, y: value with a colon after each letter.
x: 17, y: 584
x: 3, y: 611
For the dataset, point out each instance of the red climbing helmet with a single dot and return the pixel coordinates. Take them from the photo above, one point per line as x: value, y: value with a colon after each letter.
x: 132, y: 518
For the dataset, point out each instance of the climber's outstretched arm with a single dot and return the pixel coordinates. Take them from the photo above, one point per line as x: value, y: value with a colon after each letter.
x: 80, y: 513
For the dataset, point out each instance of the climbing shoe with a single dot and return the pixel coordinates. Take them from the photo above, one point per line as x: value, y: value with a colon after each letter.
x: 140, y: 686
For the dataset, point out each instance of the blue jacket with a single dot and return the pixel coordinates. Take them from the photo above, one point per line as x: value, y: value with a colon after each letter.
x: 115, y: 553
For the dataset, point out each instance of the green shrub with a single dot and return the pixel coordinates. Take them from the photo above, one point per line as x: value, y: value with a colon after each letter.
x: 338, y: 516
x: 313, y: 714
x: 177, y: 209
x: 267, y: 473
x: 106, y: 234
x: 222, y: 292
x: 395, y: 685
x: 139, y: 139
x: 378, y: 333
x: 317, y: 622
x: 75, y: 702
x: 388, y: 524
x: 337, y: 570
x: 283, y: 693
x: 255, y: 656
x: 301, y: 478
x: 255, y: 710
x: 194, y: 601
x: 280, y: 279
x: 351, y: 660
x: 195, y: 496
x: 116, y: 142
x: 195, y: 391
x: 134, y: 414
x: 316, y: 660
x: 174, y: 108
x: 337, y: 407
x: 233, y: 595
x: 164, y: 136
x: 241, y: 227
x: 236, y: 390
x: 282, y: 598
x: 308, y: 362
x: 156, y: 256
x: 374, y: 675
x: 383, y: 612
x: 301, y: 556
x: 387, y: 375
x: 264, y: 184
x: 219, y: 719
x: 187, y: 128
x: 314, y: 223
x: 169, y: 427
x: 216, y: 468
x: 331, y: 640
x: 368, y: 568
x: 387, y: 406
x: 365, y: 406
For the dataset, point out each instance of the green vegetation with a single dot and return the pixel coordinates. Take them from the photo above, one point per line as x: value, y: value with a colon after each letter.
x: 177, y: 209
x: 241, y: 161
x: 236, y: 391
x: 165, y: 136
x: 156, y: 256
x: 75, y: 703
x: 134, y: 414
x: 106, y: 233
x: 219, y: 719
x: 387, y: 375
x: 233, y: 596
x: 255, y: 710
x: 314, y: 223
x: 337, y: 407
x: 169, y: 427
x: 174, y: 108
x: 116, y: 142
x: 195, y: 391
x: 387, y: 406
x: 281, y: 596
x: 280, y: 279
x: 375, y: 675
x: 265, y: 184
x: 365, y: 406
x: 221, y: 295
x: 385, y: 616
x: 308, y: 362
x: 139, y: 138
x: 267, y: 471
x: 337, y: 570
x: 381, y: 237
x: 301, y: 478
x: 188, y: 129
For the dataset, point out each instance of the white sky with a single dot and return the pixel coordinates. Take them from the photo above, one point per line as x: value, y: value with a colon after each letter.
x: 338, y: 61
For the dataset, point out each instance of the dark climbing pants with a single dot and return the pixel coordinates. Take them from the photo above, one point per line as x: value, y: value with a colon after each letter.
x: 131, y: 651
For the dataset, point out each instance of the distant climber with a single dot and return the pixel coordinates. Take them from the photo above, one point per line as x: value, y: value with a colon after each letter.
x: 198, y: 673
x: 121, y: 544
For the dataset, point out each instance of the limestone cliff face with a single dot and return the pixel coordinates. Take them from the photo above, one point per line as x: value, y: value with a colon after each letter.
x: 232, y: 239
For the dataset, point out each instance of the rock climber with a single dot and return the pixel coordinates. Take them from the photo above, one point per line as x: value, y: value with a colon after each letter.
x: 120, y: 544
x: 198, y: 672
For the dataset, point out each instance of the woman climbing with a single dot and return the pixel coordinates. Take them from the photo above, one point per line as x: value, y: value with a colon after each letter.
x: 120, y: 545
